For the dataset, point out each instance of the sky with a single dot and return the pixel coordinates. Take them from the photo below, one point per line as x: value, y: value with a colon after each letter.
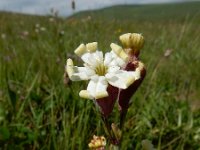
x: 43, y: 7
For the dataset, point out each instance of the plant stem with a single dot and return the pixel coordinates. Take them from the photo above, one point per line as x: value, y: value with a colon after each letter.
x: 122, y: 118
x: 108, y: 128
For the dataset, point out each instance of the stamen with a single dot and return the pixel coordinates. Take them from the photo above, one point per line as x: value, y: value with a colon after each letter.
x: 101, y: 69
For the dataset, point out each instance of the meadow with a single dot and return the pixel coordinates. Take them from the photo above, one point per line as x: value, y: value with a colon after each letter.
x: 39, y: 109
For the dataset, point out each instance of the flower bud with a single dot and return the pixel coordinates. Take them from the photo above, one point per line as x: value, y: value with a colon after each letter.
x: 125, y: 39
x: 97, y: 143
x: 133, y: 42
x: 117, y: 132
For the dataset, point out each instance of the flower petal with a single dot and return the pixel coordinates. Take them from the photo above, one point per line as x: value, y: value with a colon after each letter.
x: 113, y: 69
x: 111, y: 59
x: 88, y: 48
x: 78, y: 73
x: 92, y: 47
x: 98, y: 56
x: 97, y: 87
x: 108, y: 59
x: 85, y: 94
x: 118, y: 50
x: 80, y: 50
x: 92, y: 59
x: 120, y: 62
x: 139, y: 69
x: 121, y: 78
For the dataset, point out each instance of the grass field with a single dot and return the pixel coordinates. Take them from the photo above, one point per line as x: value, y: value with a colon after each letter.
x: 39, y: 111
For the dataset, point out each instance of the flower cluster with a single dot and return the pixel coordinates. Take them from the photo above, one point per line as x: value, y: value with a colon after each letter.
x: 97, y: 143
x: 113, y: 76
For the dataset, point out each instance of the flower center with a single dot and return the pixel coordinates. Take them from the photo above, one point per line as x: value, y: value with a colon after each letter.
x: 101, y: 69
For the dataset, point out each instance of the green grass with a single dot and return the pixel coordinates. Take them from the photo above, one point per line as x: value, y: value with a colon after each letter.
x: 37, y: 111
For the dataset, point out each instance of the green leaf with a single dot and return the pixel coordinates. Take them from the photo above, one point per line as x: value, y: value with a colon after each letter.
x: 4, y: 133
x: 13, y: 96
x: 35, y: 97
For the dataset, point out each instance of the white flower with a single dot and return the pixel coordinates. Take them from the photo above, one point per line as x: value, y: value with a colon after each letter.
x: 100, y: 70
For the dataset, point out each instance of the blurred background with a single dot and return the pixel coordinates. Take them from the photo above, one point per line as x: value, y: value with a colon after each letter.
x: 65, y: 8
x: 39, y: 106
